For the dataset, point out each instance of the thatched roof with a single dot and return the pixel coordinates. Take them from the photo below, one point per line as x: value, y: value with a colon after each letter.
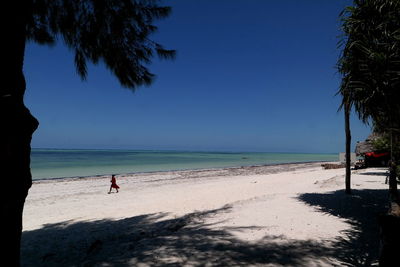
x: 363, y: 147
x: 366, y: 146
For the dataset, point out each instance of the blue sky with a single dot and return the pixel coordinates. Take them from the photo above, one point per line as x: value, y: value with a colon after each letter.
x: 250, y: 75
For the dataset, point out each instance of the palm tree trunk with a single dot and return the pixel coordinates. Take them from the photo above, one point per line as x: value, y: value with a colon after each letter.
x: 394, y: 194
x: 389, y: 223
x: 348, y: 144
x: 17, y: 126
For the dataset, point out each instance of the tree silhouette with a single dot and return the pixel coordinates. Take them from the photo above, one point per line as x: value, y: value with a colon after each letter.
x: 113, y: 32
x: 370, y: 65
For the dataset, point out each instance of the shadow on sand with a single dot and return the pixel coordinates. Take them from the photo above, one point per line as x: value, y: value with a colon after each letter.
x: 361, y: 210
x: 374, y: 173
x: 154, y: 240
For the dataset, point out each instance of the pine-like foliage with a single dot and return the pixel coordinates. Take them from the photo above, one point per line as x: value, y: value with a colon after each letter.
x: 115, y: 32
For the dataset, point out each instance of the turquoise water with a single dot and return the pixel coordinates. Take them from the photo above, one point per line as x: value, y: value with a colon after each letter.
x: 55, y: 163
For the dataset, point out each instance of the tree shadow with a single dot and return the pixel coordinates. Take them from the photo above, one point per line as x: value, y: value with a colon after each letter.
x: 153, y: 240
x: 374, y: 173
x: 361, y: 209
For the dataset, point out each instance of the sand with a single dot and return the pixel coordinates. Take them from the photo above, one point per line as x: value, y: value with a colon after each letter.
x: 284, y: 215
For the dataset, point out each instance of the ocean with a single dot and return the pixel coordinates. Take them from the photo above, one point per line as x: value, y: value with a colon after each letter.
x: 57, y: 163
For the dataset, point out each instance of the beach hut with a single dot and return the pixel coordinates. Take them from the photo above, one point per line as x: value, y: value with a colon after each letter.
x: 366, y: 146
x: 371, y: 157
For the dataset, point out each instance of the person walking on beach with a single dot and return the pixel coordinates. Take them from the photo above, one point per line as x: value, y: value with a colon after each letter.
x: 113, y: 184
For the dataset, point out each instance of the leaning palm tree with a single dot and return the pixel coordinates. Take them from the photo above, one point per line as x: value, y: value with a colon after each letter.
x: 116, y: 33
x: 370, y: 65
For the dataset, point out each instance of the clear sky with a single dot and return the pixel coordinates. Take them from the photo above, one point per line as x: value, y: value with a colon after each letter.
x: 250, y: 75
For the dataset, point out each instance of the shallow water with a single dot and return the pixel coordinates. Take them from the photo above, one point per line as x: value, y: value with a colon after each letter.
x: 56, y: 163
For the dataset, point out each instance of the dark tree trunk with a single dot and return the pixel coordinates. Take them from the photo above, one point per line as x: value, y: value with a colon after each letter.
x: 16, y: 126
x: 394, y: 194
x: 390, y: 223
x: 389, y: 237
x: 348, y: 144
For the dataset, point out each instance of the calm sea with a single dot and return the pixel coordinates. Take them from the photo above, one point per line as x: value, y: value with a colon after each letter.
x: 55, y: 163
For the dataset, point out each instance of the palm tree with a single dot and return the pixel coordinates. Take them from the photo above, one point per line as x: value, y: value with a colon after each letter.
x: 113, y: 32
x: 370, y: 65
x: 347, y: 110
x: 346, y: 106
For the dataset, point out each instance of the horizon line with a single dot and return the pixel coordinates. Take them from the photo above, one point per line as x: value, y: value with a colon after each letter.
x: 185, y: 150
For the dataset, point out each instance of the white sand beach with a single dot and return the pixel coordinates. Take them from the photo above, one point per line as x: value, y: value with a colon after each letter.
x: 283, y: 215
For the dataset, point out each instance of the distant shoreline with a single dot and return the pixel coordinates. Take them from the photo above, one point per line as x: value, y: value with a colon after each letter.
x: 180, y: 151
x: 264, y: 169
x: 56, y: 164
